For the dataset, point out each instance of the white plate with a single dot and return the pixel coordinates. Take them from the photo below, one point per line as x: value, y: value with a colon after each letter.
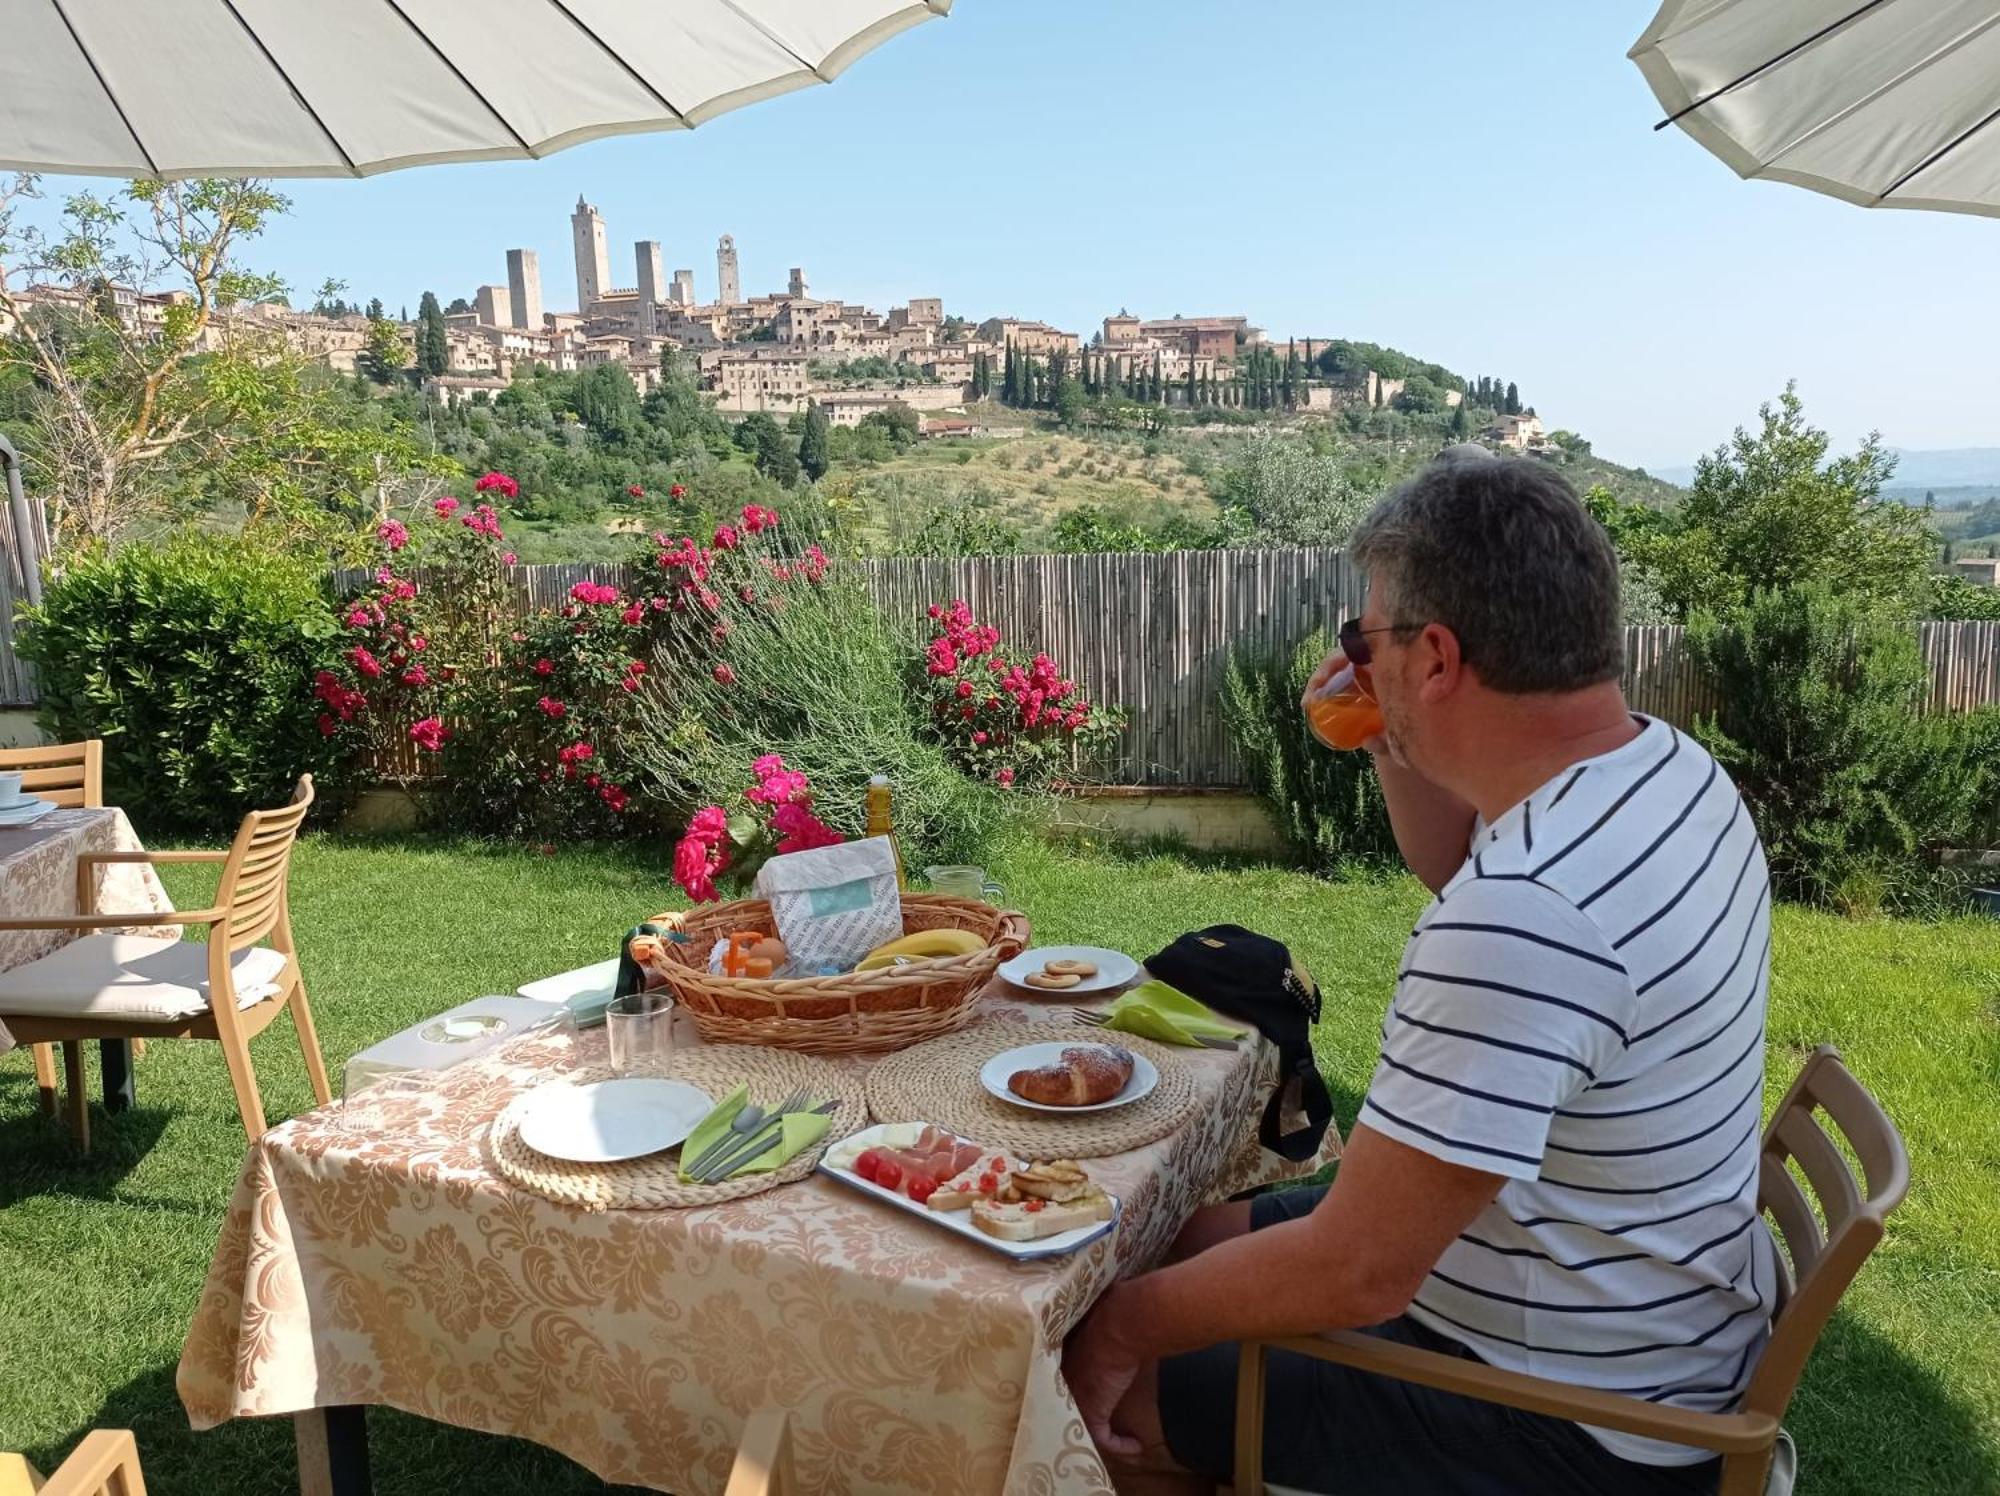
x: 960, y: 1221
x: 994, y: 1073
x: 1114, y: 969
x: 610, y: 1120
x: 25, y: 811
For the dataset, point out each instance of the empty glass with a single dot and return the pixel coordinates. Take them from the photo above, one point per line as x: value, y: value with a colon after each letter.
x: 964, y: 883
x: 640, y: 1027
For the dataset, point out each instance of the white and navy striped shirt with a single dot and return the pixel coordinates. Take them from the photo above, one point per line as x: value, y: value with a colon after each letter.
x: 1582, y: 1011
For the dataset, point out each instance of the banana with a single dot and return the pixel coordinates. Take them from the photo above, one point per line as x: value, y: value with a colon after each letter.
x: 923, y: 943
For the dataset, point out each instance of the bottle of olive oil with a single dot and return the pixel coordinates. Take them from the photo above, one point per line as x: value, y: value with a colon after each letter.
x: 881, y: 819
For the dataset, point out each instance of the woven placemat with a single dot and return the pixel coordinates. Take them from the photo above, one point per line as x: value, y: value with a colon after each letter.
x: 938, y: 1082
x: 654, y: 1182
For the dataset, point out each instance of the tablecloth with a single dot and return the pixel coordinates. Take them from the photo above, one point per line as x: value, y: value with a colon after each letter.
x: 370, y: 1256
x: 38, y: 876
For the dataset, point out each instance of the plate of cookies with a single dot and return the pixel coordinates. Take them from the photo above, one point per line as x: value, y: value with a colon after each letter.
x: 1070, y: 970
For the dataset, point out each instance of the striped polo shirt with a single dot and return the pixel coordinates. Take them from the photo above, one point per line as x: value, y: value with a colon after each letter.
x: 1581, y: 1010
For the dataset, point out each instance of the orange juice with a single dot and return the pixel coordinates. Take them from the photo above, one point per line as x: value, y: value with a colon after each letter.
x: 1341, y: 714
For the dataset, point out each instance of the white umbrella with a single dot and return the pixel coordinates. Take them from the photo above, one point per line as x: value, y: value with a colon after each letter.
x: 1887, y: 103
x: 319, y: 88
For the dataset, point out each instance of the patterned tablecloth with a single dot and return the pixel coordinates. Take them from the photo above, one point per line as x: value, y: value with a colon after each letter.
x: 38, y: 876
x: 371, y: 1256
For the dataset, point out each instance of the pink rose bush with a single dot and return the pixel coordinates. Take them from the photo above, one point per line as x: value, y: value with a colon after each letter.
x: 999, y: 719
x: 780, y: 819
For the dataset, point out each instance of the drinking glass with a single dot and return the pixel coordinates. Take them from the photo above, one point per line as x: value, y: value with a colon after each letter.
x: 640, y: 1027
x: 964, y: 883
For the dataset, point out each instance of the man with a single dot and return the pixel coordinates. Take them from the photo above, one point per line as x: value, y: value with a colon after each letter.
x: 1555, y: 1168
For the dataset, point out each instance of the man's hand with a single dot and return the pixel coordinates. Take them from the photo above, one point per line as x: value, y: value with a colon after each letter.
x: 1100, y: 1370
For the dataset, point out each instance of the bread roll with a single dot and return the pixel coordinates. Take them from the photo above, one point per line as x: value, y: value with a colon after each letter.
x: 1086, y: 1075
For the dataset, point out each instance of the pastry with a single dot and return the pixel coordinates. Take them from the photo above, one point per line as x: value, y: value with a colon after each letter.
x: 1070, y: 969
x: 1053, y: 980
x: 1061, y: 1181
x: 1086, y: 1075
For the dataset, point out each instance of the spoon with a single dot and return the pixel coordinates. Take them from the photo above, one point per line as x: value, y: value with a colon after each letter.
x: 741, y: 1125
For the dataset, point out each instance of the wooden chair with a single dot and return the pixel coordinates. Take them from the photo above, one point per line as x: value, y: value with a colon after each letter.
x: 70, y: 776
x: 106, y: 1463
x: 111, y: 986
x: 1823, y: 1263
x: 764, y: 1459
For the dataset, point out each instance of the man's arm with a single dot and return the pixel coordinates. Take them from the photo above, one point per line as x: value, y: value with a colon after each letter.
x: 1358, y: 1259
x: 1433, y: 826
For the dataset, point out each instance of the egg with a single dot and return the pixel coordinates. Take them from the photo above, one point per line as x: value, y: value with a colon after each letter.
x: 771, y: 949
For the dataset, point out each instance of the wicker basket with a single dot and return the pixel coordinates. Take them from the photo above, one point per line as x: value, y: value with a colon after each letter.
x: 853, y: 1013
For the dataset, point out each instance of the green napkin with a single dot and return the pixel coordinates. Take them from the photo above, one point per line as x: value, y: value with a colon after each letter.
x: 799, y: 1130
x: 1156, y: 1011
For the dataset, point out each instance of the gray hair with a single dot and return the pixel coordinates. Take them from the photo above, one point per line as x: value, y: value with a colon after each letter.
x: 1504, y: 555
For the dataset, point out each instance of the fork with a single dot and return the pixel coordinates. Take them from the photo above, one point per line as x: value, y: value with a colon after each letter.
x: 1094, y: 1019
x: 765, y: 1134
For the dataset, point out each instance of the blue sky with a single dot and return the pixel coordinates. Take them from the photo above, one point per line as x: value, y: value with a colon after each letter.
x: 1475, y: 184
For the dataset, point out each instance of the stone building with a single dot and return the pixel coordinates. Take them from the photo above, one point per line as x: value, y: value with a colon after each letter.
x: 593, y: 263
x: 728, y: 283
x: 524, y: 288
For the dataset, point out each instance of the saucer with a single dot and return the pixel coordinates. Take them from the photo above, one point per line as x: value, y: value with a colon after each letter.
x: 24, y: 811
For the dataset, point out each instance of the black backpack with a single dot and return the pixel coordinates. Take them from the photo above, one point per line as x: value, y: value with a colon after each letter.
x: 1253, y: 979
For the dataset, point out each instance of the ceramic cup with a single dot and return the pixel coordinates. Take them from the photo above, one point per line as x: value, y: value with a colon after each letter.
x: 10, y: 787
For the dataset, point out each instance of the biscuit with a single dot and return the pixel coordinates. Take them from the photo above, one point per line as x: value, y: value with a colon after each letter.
x: 1056, y: 980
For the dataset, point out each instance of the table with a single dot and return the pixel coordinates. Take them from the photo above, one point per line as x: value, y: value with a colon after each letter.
x: 369, y: 1256
x: 38, y: 876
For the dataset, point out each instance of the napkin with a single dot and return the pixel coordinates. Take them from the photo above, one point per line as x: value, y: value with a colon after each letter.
x: 1154, y: 1010
x: 799, y: 1130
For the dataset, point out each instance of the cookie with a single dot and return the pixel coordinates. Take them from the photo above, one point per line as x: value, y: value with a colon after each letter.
x: 1056, y: 980
x: 1070, y: 969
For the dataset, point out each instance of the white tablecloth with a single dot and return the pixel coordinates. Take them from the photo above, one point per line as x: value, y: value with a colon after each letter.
x: 38, y: 876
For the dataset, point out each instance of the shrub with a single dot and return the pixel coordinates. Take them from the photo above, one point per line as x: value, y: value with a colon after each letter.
x: 1328, y: 806
x: 193, y: 660
x: 1821, y: 725
x: 1012, y: 723
x: 818, y: 677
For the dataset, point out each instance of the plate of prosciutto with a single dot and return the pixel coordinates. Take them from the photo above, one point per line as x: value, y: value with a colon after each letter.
x: 1014, y: 1206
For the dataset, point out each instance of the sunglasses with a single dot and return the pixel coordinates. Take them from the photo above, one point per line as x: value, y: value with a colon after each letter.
x: 1354, y: 640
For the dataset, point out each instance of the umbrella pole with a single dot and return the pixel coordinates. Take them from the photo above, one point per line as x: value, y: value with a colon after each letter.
x: 27, y: 535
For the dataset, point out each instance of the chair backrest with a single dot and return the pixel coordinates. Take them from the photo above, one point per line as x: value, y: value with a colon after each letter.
x: 1827, y: 1244
x: 69, y: 775
x: 106, y: 1463
x: 764, y: 1459
x: 254, y: 879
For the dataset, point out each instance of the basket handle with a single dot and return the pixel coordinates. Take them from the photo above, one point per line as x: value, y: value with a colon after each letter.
x: 1014, y: 934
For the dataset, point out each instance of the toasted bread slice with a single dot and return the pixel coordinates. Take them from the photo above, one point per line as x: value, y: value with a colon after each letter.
x: 1062, y: 1181
x: 1019, y: 1223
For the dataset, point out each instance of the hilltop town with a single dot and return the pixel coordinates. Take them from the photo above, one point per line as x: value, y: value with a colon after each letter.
x: 779, y: 352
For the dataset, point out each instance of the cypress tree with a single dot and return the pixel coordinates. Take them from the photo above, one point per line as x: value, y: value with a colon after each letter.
x: 1193, y: 388
x: 1159, y: 386
x: 1513, y: 399
x: 433, y: 354
x: 1007, y: 385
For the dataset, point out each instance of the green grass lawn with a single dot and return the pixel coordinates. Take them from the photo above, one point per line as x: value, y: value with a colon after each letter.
x: 101, y: 1259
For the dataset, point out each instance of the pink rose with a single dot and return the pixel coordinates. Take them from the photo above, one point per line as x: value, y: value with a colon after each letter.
x: 429, y: 734
x: 724, y: 676
x: 545, y: 667
x: 726, y: 538
x: 1004, y: 778
x: 445, y: 508
x: 550, y: 707
x: 393, y: 533
x: 365, y: 662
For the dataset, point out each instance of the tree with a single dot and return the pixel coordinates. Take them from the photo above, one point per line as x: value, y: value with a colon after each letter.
x: 433, y: 356
x: 813, y: 454
x: 1461, y: 420
x: 375, y: 312
x: 1292, y: 495
x: 1513, y: 399
x: 1069, y: 402
x: 459, y: 305
x: 1010, y: 385
x: 777, y: 454
x: 1772, y: 510
x: 384, y: 356
x: 1158, y: 393
x: 608, y: 402
x: 115, y: 411
x: 1420, y: 396
x: 896, y: 421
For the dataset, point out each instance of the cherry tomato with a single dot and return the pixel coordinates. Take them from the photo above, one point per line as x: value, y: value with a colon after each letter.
x: 988, y: 1184
x: 888, y: 1173
x: 867, y: 1164
x: 1031, y: 1206
x: 922, y: 1188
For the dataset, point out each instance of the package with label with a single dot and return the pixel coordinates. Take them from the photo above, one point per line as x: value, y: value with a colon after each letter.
x: 833, y: 905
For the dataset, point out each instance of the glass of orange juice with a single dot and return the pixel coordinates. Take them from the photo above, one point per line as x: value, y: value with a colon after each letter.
x: 1341, y: 713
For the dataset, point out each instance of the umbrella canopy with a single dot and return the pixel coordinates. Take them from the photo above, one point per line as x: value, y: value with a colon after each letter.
x: 323, y: 88
x: 1887, y: 103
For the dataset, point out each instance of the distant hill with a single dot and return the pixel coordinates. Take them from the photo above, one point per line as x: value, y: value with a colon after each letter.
x: 1917, y: 469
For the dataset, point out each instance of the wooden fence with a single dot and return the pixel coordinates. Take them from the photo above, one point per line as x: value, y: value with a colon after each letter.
x: 1153, y: 633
